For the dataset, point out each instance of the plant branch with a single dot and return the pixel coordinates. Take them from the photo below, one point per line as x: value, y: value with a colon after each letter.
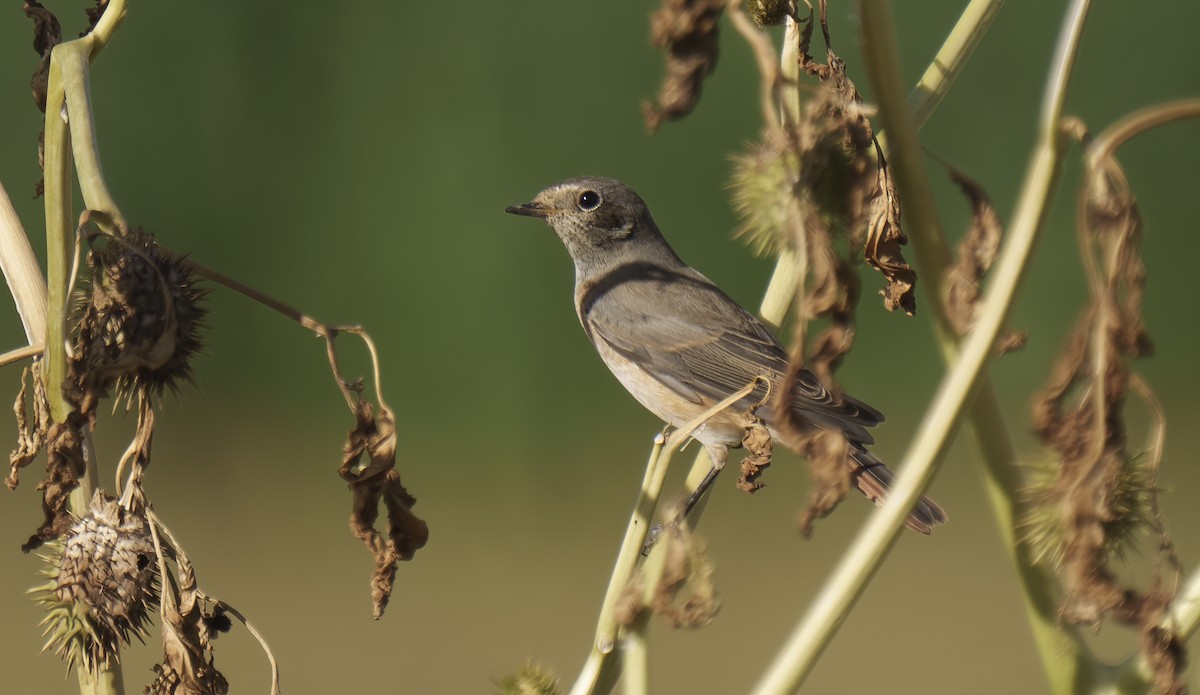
x: 602, y: 668
x: 69, y: 128
x: 843, y: 588
x: 22, y: 273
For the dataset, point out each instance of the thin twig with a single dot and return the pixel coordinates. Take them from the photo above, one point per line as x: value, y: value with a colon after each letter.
x: 262, y: 642
x: 21, y: 353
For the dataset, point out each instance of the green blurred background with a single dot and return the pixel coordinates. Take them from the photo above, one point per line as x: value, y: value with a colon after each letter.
x: 355, y: 159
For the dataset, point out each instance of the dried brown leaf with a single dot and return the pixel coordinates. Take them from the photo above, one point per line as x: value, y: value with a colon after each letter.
x: 373, y: 481
x: 47, y: 33
x: 188, y: 629
x: 1102, y: 494
x: 64, y: 467
x: 883, y: 234
x: 687, y: 30
x: 31, y: 435
x: 975, y: 255
x: 758, y: 444
x: 884, y: 240
x: 827, y: 453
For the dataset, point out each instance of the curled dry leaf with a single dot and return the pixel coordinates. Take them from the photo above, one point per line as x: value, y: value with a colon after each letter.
x: 883, y: 234
x: 882, y: 248
x: 31, y: 435
x: 373, y: 481
x: 47, y: 33
x: 975, y: 255
x: 188, y: 629
x: 683, y: 593
x: 759, y: 446
x: 687, y: 30
x: 827, y: 453
x: 64, y: 467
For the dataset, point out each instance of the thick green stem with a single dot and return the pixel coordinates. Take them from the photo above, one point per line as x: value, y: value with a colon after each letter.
x: 69, y: 128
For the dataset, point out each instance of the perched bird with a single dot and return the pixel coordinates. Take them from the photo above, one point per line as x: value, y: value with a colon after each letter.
x: 678, y: 343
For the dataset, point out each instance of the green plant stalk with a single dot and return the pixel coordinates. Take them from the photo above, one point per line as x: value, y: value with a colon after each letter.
x: 602, y: 668
x: 56, y: 175
x: 849, y: 579
x: 68, y: 87
x: 1065, y: 656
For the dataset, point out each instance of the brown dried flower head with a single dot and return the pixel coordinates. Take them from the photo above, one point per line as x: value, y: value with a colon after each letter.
x: 102, y: 588
x: 141, y: 319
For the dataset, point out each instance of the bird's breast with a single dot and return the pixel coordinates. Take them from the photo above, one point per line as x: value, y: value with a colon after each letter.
x: 669, y: 405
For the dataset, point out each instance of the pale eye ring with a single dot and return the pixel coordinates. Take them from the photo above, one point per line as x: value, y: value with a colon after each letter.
x: 588, y: 201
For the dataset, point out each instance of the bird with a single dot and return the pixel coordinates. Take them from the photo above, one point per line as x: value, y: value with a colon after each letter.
x: 679, y: 344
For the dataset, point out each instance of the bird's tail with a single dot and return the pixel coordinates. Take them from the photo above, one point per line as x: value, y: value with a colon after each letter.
x: 874, y: 480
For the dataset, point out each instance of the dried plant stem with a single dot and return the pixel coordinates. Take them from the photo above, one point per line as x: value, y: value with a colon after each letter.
x: 848, y: 580
x: 602, y: 667
x: 22, y: 273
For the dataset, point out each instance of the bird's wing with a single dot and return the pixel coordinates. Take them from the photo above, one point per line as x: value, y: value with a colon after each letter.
x: 690, y: 336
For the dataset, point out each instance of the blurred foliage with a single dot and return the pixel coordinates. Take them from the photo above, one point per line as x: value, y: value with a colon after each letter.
x: 327, y: 153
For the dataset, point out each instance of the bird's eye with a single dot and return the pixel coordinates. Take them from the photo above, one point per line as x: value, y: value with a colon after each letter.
x: 589, y: 200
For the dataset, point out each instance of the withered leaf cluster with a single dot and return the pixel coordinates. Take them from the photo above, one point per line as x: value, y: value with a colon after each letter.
x: 189, y: 626
x: 687, y: 31
x: 819, y: 184
x: 1103, y: 492
x: 369, y: 467
x: 975, y: 255
x: 47, y: 33
x: 868, y: 185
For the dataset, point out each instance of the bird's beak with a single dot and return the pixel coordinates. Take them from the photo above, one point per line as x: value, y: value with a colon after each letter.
x: 533, y: 209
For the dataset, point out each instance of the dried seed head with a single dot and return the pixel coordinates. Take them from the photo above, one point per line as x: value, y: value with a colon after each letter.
x: 102, y: 588
x: 530, y: 679
x: 766, y: 13
x: 141, y: 319
x: 763, y: 190
x: 1126, y: 512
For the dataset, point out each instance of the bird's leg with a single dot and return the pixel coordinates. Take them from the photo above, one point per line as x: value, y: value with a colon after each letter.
x: 718, y: 454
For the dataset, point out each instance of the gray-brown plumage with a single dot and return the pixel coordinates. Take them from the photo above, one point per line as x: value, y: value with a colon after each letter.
x: 677, y: 342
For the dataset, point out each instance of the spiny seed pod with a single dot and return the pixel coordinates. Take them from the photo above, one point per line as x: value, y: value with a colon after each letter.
x: 141, y: 320
x: 103, y: 585
x: 762, y: 191
x: 1125, y: 508
x: 767, y: 13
